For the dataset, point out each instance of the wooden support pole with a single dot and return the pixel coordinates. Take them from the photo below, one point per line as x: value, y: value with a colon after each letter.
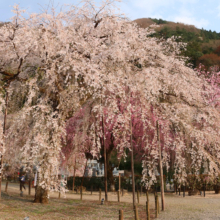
x: 91, y: 189
x: 132, y: 158
x: 105, y: 160
x: 184, y: 191
x: 156, y: 204
x: 119, y: 196
x: 132, y: 166
x: 161, y: 169
x: 147, y: 210
x: 147, y: 196
x: 136, y: 212
x: 138, y: 197
x: 81, y: 193
x: 29, y: 187
x: 100, y: 194
x: 179, y: 191
x: 6, y: 186
x: 121, y: 215
x: 119, y: 182
x: 119, y: 187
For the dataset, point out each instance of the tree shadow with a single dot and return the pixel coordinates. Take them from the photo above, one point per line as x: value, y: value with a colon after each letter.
x: 17, y: 197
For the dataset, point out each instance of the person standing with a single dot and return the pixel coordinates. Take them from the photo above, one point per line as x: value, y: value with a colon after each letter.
x: 22, y: 182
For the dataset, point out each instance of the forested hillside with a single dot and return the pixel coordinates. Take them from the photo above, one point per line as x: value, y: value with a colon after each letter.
x: 203, y: 45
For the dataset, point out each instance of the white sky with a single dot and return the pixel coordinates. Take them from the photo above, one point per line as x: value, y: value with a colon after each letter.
x: 201, y: 13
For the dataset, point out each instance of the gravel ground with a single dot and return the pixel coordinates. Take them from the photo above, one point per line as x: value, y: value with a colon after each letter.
x: 191, y: 207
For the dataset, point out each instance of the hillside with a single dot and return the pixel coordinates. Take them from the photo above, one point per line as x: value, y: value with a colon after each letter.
x: 203, y: 45
x: 145, y: 22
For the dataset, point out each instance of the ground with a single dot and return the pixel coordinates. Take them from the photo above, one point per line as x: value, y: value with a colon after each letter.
x: 15, y: 207
x: 192, y: 207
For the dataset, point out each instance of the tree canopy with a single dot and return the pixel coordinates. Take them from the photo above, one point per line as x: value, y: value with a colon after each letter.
x: 90, y: 66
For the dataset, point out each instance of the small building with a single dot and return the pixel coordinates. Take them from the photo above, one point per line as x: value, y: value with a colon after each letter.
x: 94, y: 168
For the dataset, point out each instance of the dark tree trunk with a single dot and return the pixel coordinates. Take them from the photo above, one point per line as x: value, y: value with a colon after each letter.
x: 110, y: 174
x: 4, y: 129
x: 41, y: 195
x: 109, y: 150
x: 84, y: 173
x: 74, y: 179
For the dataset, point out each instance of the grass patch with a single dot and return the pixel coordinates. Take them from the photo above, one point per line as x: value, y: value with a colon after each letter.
x: 15, y: 207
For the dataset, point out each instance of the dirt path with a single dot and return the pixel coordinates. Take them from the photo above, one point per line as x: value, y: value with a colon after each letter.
x: 192, y: 207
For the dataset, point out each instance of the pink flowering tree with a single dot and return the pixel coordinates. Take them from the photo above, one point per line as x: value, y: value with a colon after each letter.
x: 93, y: 54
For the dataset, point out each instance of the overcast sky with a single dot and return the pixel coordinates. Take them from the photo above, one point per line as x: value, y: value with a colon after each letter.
x: 201, y: 13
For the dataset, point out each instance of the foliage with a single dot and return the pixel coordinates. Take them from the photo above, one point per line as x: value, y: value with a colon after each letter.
x: 217, y: 51
x: 158, y: 21
x: 195, y: 40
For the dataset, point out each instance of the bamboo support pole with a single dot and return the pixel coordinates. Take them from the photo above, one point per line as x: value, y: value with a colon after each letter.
x: 81, y: 193
x: 119, y: 196
x: 121, y: 215
x: 156, y: 204
x: 100, y: 195
x: 29, y: 187
x: 138, y: 197
x: 147, y: 210
x: 161, y: 169
x: 136, y: 212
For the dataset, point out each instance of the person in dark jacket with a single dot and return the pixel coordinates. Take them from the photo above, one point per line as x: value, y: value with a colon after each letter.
x: 22, y: 182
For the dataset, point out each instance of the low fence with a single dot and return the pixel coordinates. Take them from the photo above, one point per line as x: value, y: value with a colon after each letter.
x: 96, y: 183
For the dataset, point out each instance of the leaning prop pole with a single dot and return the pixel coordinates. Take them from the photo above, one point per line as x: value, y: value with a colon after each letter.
x: 106, y: 186
x: 4, y: 128
x: 161, y: 168
x: 132, y: 163
x: 105, y: 159
x: 132, y: 172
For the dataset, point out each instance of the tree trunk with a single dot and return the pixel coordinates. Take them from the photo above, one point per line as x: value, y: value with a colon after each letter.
x: 1, y: 164
x: 74, y: 175
x: 41, y: 195
x: 4, y: 128
x: 84, y: 173
x: 109, y: 172
x: 6, y: 186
